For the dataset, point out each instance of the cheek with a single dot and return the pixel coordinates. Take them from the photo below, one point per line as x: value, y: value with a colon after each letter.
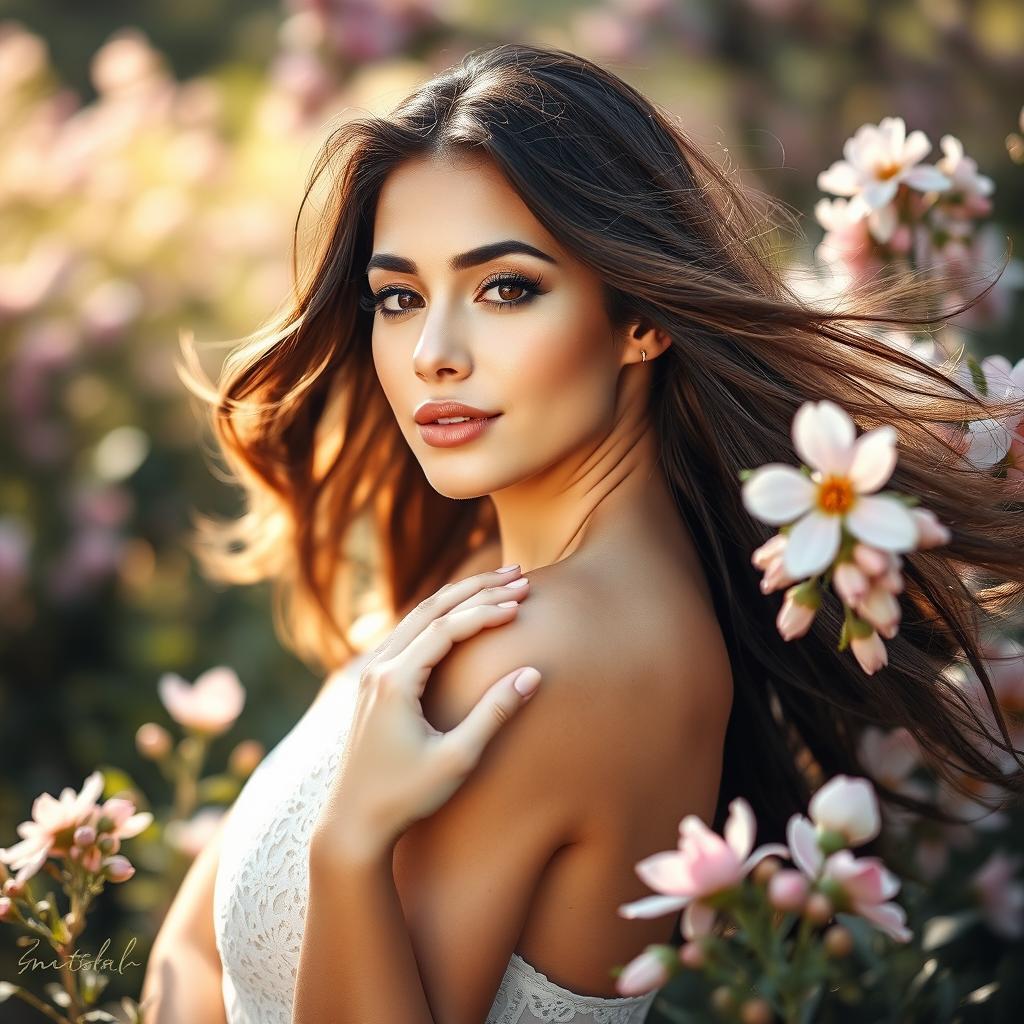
x: 563, y: 377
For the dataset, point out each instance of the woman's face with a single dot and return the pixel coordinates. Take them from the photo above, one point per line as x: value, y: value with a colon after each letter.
x: 520, y: 334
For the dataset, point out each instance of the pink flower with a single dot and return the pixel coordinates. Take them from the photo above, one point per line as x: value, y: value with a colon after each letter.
x: 867, y: 886
x: 703, y: 865
x: 890, y: 756
x: 850, y: 582
x: 930, y: 532
x: 209, y: 706
x: 191, y: 836
x: 124, y: 823
x: 118, y: 868
x: 787, y: 889
x: 768, y: 558
x: 1000, y: 896
x: 870, y: 652
x: 839, y: 493
x: 880, y: 608
x: 52, y: 827
x: 796, y: 614
x: 861, y: 884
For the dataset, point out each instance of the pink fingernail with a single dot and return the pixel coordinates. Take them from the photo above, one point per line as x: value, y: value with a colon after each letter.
x: 508, y: 604
x: 521, y: 582
x: 507, y: 568
x: 527, y: 681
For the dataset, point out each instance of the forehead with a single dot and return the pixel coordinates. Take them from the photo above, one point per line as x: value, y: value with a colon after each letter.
x: 440, y: 205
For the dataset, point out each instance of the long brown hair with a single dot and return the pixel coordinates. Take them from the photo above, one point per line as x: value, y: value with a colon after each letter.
x: 306, y: 430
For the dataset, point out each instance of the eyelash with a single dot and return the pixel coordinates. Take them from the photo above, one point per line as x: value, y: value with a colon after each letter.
x: 373, y: 302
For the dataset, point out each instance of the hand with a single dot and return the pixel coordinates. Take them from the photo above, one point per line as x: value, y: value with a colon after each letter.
x: 397, y: 768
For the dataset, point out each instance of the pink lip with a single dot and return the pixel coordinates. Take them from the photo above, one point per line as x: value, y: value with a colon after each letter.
x: 449, y: 435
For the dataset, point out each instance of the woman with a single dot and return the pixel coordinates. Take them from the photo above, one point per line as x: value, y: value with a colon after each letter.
x: 527, y: 235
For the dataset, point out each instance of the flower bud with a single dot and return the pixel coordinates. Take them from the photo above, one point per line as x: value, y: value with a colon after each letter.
x: 5, y: 908
x: 787, y: 890
x: 245, y: 757
x: 871, y: 560
x: 153, y: 741
x: 756, y: 1011
x: 850, y: 582
x: 118, y: 869
x: 85, y: 835
x: 722, y: 1000
x: 766, y: 870
x: 800, y: 605
x: 43, y: 907
x: 838, y: 941
x: 691, y: 954
x: 870, y: 652
x: 646, y: 972
x: 818, y: 908
x: 14, y: 888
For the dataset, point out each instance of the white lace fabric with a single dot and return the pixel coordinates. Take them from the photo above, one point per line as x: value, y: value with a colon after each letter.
x: 262, y: 886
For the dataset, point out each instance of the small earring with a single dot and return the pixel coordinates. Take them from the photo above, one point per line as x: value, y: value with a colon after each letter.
x: 643, y: 355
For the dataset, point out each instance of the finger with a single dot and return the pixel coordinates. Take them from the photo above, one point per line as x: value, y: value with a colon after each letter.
x: 412, y: 666
x: 449, y: 597
x: 496, y: 707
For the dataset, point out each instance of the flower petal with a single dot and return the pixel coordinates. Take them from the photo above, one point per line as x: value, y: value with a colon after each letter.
x: 666, y: 872
x: 883, y: 523
x: 698, y: 920
x: 813, y: 544
x: 740, y: 828
x: 803, y: 845
x: 823, y: 436
x: 777, y: 493
x: 653, y: 906
x: 874, y: 459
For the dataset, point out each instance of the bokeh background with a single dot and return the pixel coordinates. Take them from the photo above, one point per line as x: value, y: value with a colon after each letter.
x: 151, y: 161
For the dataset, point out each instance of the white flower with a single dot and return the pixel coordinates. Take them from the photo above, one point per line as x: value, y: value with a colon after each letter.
x: 879, y: 158
x: 989, y: 439
x: 839, y: 493
x: 848, y: 806
x: 971, y: 188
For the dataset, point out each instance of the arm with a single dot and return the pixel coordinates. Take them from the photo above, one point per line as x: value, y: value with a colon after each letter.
x: 435, y: 953
x: 183, y: 974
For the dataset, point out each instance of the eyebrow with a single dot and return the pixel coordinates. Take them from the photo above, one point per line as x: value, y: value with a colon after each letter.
x: 462, y: 261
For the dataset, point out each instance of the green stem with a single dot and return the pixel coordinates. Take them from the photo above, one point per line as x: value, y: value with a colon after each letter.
x: 792, y: 1000
x: 33, y: 1001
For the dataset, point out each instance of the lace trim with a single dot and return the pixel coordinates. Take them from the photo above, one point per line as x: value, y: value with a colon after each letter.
x: 582, y: 1004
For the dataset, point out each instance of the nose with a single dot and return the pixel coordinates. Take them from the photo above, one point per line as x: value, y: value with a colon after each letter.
x: 434, y: 357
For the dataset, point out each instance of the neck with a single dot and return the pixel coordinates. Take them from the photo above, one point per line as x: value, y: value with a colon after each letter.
x: 616, y: 485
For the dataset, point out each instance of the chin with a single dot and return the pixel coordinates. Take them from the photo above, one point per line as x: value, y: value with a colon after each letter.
x: 462, y: 485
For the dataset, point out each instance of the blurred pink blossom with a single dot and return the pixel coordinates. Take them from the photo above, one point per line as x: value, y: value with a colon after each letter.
x: 51, y: 827
x: 209, y: 706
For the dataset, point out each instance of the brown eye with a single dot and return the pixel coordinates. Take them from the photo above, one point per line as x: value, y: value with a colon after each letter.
x: 503, y: 289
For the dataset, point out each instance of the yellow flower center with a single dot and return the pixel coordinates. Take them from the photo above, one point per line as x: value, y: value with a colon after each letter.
x: 835, y: 495
x: 886, y: 171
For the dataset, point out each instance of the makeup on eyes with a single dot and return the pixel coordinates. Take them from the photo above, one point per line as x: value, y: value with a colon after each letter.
x: 532, y: 284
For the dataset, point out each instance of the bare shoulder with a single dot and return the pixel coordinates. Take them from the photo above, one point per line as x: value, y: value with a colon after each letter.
x: 635, y: 677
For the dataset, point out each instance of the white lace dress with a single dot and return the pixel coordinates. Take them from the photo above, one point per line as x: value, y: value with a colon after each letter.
x: 262, y: 885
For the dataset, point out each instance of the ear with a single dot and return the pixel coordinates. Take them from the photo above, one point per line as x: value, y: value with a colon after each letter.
x: 642, y: 336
